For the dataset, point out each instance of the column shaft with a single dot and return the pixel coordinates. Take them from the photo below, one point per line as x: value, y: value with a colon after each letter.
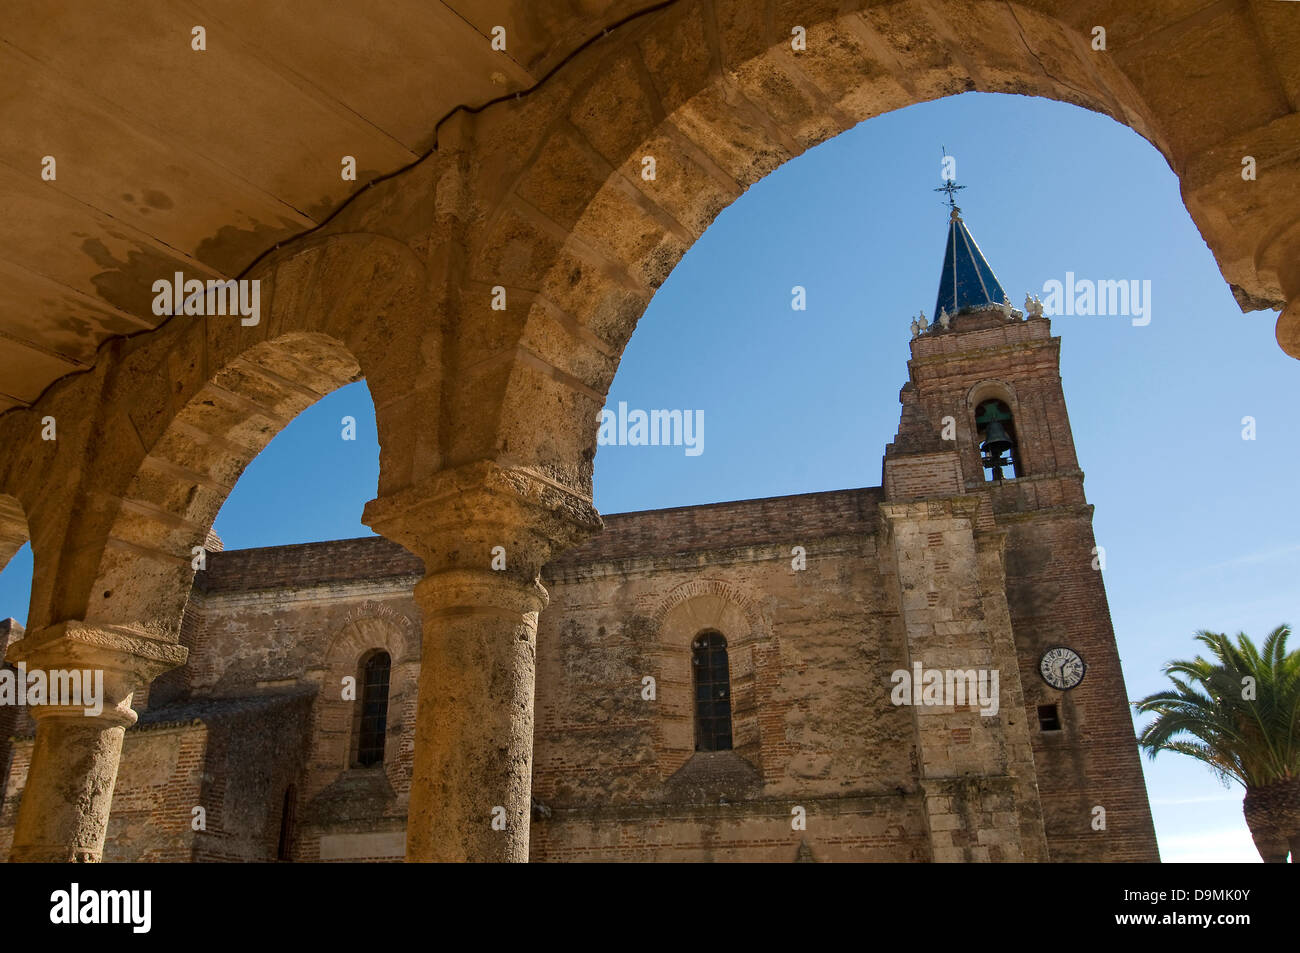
x: 64, y: 812
x: 470, y: 794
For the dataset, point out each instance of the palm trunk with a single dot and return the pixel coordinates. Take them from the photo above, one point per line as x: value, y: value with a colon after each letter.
x: 1273, y: 816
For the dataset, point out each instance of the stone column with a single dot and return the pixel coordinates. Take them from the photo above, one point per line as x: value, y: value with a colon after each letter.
x: 484, y: 533
x: 64, y: 811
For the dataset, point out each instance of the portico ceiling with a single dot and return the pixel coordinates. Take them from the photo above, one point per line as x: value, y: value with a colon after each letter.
x: 171, y: 159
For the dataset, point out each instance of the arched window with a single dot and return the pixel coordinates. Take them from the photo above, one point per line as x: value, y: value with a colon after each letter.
x: 999, y: 450
x: 712, y: 692
x: 373, y: 727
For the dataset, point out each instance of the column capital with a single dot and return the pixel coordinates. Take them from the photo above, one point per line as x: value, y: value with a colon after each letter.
x: 456, y: 519
x: 128, y: 656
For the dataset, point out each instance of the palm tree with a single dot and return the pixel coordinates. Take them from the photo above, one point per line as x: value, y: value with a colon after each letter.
x: 1239, y: 713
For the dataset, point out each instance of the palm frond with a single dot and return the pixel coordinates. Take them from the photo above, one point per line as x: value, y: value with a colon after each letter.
x: 1236, y: 710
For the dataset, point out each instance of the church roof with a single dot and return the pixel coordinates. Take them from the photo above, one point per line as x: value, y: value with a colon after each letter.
x: 967, y: 280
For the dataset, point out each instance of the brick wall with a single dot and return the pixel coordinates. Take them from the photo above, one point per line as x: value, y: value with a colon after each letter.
x: 10, y: 631
x: 1057, y: 598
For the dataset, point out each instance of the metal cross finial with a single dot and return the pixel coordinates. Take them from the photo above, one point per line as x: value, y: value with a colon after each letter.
x: 950, y: 186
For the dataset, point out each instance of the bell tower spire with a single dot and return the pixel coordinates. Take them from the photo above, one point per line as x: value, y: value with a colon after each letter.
x: 967, y: 283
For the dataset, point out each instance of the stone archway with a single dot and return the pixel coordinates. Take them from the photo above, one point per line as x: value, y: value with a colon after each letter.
x: 150, y: 444
x: 13, y: 528
x: 570, y: 226
x: 182, y: 413
x: 555, y: 212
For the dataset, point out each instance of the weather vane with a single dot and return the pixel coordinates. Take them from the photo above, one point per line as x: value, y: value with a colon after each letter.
x: 950, y: 186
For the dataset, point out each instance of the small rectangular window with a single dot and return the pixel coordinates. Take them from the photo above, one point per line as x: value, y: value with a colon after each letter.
x: 1049, y: 718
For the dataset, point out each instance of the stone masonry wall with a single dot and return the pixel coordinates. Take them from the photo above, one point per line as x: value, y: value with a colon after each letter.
x: 810, y: 651
x: 954, y: 612
x: 616, y: 776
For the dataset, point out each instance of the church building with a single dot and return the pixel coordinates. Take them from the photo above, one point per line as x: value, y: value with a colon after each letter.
x: 923, y: 670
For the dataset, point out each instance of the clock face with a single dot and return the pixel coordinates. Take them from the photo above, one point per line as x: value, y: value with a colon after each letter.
x: 1061, y: 667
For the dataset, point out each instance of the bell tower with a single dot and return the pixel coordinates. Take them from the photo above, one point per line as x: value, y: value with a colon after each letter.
x: 984, y: 383
x: 984, y: 448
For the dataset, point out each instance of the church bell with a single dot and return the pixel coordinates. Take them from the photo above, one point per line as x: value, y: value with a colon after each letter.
x: 996, y: 441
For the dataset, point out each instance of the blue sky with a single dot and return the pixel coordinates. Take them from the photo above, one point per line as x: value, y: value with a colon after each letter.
x: 1199, y: 525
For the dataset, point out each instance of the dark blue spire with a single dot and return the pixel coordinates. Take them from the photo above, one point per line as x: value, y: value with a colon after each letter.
x: 967, y: 280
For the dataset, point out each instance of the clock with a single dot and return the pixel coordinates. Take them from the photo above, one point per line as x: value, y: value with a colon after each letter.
x: 1061, y: 667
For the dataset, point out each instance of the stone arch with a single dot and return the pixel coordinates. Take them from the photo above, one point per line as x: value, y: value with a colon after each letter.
x: 13, y: 528
x: 717, y: 589
x: 170, y: 505
x: 201, y: 398
x: 713, y: 91
x: 1001, y: 390
x: 692, y: 608
x: 374, y: 627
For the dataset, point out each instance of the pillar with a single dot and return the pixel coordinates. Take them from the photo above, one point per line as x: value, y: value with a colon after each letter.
x: 484, y: 532
x: 64, y: 811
